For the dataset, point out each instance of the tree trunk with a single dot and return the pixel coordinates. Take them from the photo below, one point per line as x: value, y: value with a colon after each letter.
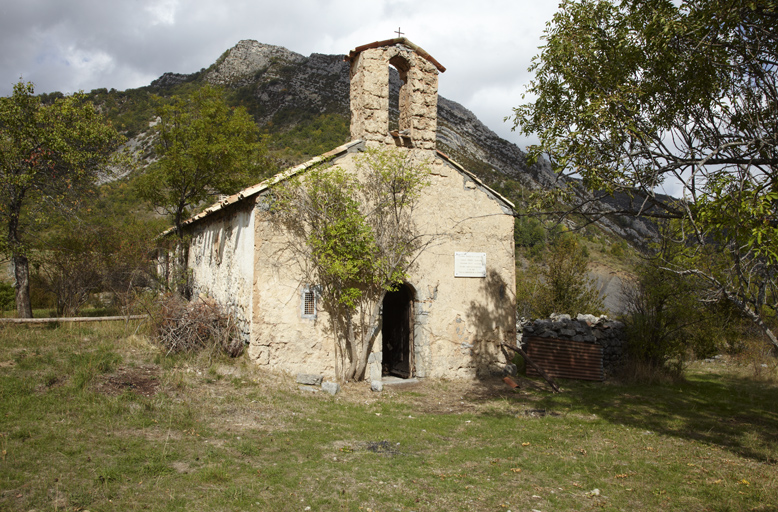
x: 22, y: 285
x: 754, y: 317
x: 352, y: 348
x: 374, y: 327
x: 182, y: 283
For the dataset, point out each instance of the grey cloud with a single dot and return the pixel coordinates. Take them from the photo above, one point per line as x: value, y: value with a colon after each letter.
x: 85, y: 44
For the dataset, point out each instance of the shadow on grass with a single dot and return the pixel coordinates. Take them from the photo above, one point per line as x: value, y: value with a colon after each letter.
x: 735, y: 413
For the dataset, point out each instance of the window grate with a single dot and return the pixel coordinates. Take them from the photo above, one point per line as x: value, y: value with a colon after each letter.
x: 309, y: 303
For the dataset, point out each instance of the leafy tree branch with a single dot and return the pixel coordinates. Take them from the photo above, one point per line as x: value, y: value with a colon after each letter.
x: 354, y: 235
x: 48, y: 153
x: 631, y: 96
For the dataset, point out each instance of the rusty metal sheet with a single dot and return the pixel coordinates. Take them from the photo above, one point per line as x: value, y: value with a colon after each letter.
x: 510, y: 382
x: 565, y: 359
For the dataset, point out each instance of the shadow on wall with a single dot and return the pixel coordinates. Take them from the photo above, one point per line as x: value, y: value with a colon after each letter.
x: 493, y: 318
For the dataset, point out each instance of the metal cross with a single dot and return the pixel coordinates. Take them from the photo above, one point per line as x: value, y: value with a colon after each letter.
x: 399, y: 33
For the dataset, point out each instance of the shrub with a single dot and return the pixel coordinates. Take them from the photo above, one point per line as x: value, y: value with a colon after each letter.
x: 561, y: 285
x: 529, y: 232
x: 7, y: 294
x: 668, y: 323
x: 619, y: 249
x: 657, y: 305
x: 78, y: 260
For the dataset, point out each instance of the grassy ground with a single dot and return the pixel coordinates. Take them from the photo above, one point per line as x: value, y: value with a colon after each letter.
x: 92, y: 418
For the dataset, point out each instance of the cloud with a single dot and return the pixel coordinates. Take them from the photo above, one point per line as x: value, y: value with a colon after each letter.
x: 82, y: 44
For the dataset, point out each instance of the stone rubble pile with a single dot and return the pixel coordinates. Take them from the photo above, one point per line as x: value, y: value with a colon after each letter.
x: 609, y: 334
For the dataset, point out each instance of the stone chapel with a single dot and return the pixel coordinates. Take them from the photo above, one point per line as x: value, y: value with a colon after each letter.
x: 458, y: 303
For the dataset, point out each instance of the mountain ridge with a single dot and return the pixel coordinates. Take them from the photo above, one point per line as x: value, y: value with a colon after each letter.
x: 284, y: 89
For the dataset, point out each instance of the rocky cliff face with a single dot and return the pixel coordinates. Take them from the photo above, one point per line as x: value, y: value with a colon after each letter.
x: 285, y: 87
x: 238, y: 65
x: 283, y: 80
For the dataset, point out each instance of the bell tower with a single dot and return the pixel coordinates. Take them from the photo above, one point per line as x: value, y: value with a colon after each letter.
x: 418, y: 99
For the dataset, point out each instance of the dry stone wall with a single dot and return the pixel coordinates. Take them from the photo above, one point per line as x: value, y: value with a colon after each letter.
x: 609, y: 334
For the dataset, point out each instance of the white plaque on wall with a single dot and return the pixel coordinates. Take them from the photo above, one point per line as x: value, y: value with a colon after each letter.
x: 469, y: 264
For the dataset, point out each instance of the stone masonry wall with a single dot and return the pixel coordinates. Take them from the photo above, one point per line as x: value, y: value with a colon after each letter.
x: 459, y: 322
x: 370, y: 96
x: 609, y: 334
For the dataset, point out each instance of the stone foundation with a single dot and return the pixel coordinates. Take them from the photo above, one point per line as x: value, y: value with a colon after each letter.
x: 609, y: 334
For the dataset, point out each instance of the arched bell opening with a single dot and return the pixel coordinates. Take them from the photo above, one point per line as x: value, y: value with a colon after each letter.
x: 399, y: 102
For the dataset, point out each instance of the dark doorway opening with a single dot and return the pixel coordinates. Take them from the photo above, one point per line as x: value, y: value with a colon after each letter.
x: 397, y: 333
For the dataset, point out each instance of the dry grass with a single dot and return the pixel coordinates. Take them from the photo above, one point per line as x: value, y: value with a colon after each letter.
x: 217, y: 434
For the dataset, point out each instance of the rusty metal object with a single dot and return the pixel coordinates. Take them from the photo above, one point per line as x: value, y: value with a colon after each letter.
x: 566, y: 359
x: 534, y: 365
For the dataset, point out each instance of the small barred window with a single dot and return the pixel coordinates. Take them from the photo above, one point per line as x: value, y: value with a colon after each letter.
x: 308, y: 308
x: 309, y: 304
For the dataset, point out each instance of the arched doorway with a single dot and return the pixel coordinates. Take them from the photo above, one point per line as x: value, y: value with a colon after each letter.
x: 397, y: 333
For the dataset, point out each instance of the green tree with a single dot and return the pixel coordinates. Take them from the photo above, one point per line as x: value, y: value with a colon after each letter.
x: 80, y: 257
x: 560, y: 284
x: 634, y: 95
x: 48, y: 153
x: 354, y: 236
x: 205, y: 148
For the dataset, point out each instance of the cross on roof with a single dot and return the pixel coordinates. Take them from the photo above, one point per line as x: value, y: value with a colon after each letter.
x: 399, y: 33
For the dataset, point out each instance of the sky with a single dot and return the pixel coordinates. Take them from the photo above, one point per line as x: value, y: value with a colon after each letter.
x: 72, y: 45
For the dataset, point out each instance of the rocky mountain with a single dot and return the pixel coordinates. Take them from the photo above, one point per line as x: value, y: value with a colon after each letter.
x: 285, y: 90
x: 284, y: 80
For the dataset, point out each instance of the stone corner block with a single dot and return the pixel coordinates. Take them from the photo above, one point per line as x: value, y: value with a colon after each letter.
x: 333, y: 388
x: 309, y: 379
x: 510, y: 369
x: 376, y: 385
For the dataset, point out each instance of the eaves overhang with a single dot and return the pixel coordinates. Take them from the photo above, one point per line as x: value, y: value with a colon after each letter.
x: 254, y: 190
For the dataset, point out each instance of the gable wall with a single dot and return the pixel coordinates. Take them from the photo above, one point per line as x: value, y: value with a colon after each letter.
x: 459, y: 321
x: 462, y: 321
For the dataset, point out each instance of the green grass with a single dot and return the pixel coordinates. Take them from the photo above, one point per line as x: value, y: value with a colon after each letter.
x: 220, y: 435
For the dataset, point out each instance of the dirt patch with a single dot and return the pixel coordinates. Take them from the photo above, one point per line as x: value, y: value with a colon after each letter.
x: 181, y: 467
x: 438, y: 396
x: 539, y: 413
x: 141, y: 380
x: 378, y: 447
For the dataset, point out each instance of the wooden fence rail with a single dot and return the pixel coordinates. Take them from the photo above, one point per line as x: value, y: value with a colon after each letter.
x: 70, y: 319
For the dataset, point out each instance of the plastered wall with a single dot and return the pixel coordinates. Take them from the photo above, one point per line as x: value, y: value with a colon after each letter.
x: 458, y: 322
x: 221, y: 259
